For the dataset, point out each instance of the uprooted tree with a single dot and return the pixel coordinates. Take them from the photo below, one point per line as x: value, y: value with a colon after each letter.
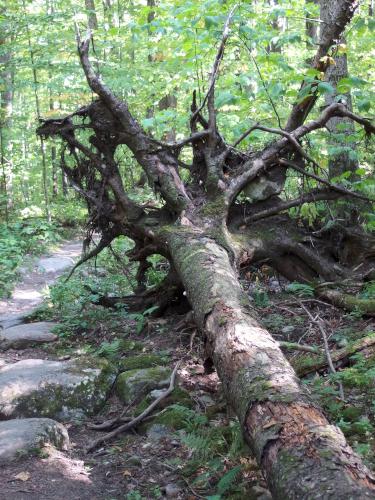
x: 208, y: 232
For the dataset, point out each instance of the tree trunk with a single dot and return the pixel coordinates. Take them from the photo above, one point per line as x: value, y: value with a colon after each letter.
x: 207, y: 233
x: 6, y: 110
x: 38, y: 114
x: 301, y: 454
x: 91, y: 14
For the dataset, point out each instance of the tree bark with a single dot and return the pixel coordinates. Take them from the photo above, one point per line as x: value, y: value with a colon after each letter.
x: 301, y: 454
x: 207, y: 234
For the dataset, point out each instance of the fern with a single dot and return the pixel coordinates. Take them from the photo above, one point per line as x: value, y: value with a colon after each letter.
x: 301, y: 289
x: 200, y: 445
x: 226, y: 482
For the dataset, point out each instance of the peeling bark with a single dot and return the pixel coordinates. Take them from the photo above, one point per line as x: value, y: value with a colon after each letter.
x: 300, y: 453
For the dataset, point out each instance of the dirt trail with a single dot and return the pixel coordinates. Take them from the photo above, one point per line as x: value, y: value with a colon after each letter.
x: 28, y: 293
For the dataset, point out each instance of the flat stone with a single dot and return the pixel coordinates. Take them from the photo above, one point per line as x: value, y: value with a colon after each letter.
x: 54, y: 264
x: 10, y: 320
x: 21, y: 336
x: 57, y: 389
x: 24, y: 436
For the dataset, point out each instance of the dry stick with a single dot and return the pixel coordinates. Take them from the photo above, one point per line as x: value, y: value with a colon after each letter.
x: 137, y: 420
x: 334, y: 187
x: 319, y: 322
x: 263, y: 82
x: 299, y: 347
x: 127, y: 274
x: 107, y: 424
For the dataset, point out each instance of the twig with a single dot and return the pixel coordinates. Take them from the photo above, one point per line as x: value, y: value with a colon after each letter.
x: 263, y: 83
x: 137, y: 420
x: 299, y: 347
x: 318, y: 322
x: 334, y: 187
x: 310, y: 197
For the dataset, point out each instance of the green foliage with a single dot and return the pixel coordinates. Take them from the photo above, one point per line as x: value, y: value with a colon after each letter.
x: 300, y: 289
x: 356, y: 418
x: 261, y: 298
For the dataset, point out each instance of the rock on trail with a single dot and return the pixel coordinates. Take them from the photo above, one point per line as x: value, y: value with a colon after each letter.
x: 21, y: 436
x: 28, y: 294
x: 55, y: 389
x: 26, y: 335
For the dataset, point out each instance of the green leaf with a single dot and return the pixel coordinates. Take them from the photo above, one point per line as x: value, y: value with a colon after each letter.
x: 225, y: 98
x: 326, y: 88
x: 364, y: 104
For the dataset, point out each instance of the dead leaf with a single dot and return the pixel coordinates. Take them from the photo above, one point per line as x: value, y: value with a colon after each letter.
x: 23, y: 476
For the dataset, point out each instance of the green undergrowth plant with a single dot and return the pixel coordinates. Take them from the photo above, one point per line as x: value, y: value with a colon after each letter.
x: 356, y: 414
x: 300, y: 289
x: 215, y: 447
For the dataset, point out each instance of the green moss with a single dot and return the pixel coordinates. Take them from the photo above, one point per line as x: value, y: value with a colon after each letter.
x: 173, y: 418
x: 131, y: 345
x: 142, y: 361
x: 133, y: 383
x: 214, y: 208
x: 178, y: 396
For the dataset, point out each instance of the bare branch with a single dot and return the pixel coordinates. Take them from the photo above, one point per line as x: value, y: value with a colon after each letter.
x: 197, y: 136
x: 334, y: 187
x: 210, y: 95
x: 137, y: 420
x: 263, y: 82
x: 310, y: 197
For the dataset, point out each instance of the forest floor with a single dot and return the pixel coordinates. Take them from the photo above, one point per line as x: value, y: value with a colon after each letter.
x: 193, y: 447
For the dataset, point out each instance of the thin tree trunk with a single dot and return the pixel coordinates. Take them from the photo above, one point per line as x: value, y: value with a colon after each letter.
x: 91, y: 14
x: 38, y: 114
x: 312, y: 26
x: 6, y: 110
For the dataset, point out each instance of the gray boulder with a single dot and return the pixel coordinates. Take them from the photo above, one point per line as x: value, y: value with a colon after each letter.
x: 55, y: 389
x: 21, y: 336
x: 24, y: 436
x: 9, y: 320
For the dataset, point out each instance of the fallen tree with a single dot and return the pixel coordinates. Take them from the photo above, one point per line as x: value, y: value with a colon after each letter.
x: 207, y: 234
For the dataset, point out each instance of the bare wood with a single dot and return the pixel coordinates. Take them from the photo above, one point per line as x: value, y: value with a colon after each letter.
x: 299, y: 347
x: 319, y: 323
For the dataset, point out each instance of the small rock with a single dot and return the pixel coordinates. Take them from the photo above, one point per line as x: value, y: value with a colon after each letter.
x: 54, y: 264
x: 260, y: 493
x: 55, y: 389
x: 206, y: 400
x: 287, y: 329
x: 172, y: 490
x: 21, y: 336
x: 134, y: 460
x: 21, y: 436
x: 156, y: 432
x: 133, y: 383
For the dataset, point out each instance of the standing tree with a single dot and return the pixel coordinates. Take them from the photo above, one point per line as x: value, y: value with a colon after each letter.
x: 207, y: 230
